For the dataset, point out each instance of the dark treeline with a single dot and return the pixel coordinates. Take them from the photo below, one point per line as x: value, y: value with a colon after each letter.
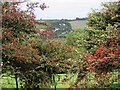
x: 77, y: 18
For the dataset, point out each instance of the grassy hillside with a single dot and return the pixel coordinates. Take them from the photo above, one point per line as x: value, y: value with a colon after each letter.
x: 77, y: 24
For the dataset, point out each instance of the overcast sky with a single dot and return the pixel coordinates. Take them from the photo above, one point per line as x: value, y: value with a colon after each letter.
x: 67, y: 9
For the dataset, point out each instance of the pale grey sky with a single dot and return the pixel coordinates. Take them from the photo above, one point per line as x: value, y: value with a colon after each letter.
x: 67, y: 9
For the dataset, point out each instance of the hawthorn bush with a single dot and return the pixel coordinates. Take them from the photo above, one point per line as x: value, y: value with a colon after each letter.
x: 18, y: 53
x: 102, y: 60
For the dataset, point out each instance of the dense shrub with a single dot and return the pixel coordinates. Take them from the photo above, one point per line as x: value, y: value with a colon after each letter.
x: 103, y: 56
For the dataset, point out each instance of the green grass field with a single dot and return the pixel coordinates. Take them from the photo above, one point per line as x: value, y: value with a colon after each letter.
x: 9, y: 82
x: 78, y: 24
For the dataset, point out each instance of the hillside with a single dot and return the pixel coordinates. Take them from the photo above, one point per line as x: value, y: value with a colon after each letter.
x: 76, y: 24
x: 61, y: 27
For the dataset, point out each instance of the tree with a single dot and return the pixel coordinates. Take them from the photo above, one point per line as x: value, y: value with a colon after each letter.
x: 104, y: 39
x: 18, y: 31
